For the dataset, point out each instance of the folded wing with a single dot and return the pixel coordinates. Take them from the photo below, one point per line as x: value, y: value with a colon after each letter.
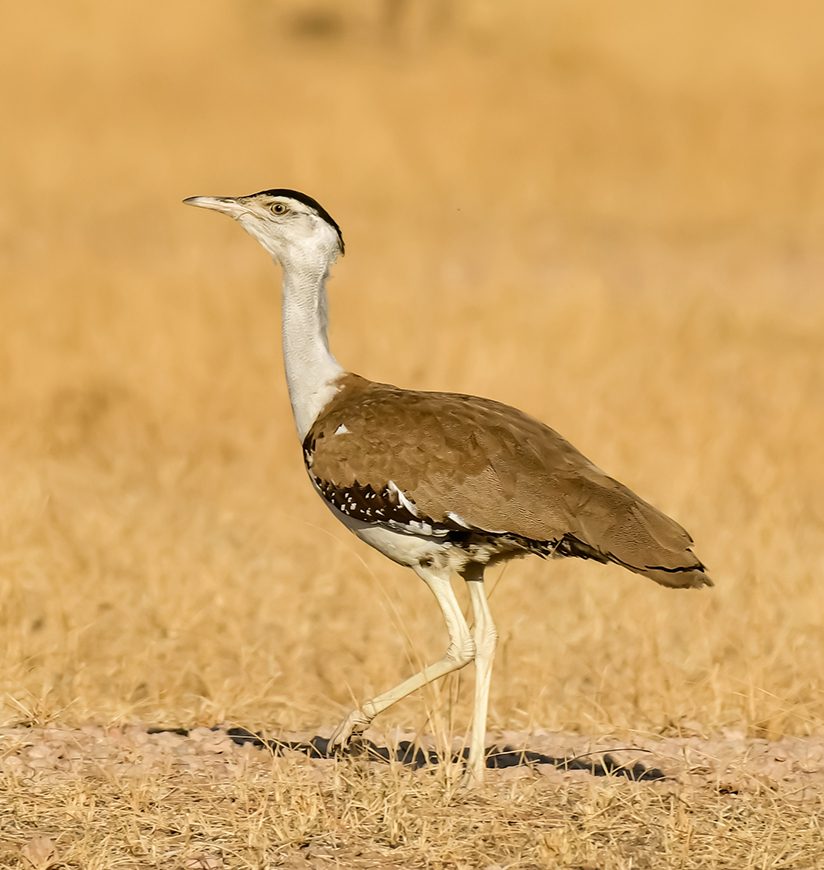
x: 445, y: 461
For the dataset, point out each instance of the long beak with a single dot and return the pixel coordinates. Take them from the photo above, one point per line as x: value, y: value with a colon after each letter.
x: 226, y: 204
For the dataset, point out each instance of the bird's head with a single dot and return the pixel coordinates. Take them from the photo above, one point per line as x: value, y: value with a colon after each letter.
x: 294, y: 228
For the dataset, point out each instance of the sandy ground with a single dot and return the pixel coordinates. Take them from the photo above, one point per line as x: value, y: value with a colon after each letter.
x: 728, y: 763
x: 216, y: 798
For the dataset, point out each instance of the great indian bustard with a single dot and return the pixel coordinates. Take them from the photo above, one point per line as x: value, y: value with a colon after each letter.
x: 440, y: 482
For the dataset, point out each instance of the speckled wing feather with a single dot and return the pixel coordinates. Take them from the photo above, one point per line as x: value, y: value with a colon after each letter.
x: 435, y: 463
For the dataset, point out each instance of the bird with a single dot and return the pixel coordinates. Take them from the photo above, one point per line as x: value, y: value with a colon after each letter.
x: 443, y: 483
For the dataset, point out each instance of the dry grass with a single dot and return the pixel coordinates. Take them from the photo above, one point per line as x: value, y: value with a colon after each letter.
x: 114, y: 798
x: 613, y: 223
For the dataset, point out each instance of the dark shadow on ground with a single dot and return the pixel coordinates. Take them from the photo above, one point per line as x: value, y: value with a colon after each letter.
x: 414, y: 756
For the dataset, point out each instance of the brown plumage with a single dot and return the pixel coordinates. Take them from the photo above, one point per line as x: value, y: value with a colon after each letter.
x: 472, y: 466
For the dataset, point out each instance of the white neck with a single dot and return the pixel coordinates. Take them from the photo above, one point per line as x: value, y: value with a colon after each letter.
x: 311, y: 370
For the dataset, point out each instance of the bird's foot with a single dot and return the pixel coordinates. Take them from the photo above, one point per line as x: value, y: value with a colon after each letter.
x: 473, y: 776
x: 348, y: 731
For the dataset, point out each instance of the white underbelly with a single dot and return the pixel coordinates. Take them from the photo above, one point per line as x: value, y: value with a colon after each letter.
x: 411, y: 549
x: 405, y: 549
x: 402, y: 548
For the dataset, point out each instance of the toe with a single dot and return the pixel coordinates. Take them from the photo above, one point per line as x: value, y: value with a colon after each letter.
x: 351, y: 726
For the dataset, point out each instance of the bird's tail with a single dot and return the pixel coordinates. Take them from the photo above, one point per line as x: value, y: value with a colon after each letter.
x: 693, y: 577
x: 615, y: 525
x: 692, y: 574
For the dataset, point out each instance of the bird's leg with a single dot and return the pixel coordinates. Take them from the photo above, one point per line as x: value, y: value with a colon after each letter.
x: 460, y: 652
x: 486, y: 637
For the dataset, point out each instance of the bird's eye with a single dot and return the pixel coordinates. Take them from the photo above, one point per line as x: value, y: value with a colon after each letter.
x: 278, y: 208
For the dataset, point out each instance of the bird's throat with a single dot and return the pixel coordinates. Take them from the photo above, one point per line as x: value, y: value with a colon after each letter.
x: 311, y: 370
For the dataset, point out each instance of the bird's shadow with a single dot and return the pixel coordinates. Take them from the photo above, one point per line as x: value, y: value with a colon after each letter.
x: 414, y: 756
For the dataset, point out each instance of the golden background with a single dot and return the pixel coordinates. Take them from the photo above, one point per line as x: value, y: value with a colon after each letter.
x: 609, y: 215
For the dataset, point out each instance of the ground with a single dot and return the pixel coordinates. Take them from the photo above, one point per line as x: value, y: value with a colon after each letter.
x: 202, y: 801
x: 611, y: 220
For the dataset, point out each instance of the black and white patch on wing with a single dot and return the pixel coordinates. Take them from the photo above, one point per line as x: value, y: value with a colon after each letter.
x: 388, y: 506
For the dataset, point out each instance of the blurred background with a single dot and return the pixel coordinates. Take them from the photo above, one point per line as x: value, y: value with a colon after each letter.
x: 607, y: 215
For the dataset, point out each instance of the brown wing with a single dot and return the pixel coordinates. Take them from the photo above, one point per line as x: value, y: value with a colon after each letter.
x: 465, y: 462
